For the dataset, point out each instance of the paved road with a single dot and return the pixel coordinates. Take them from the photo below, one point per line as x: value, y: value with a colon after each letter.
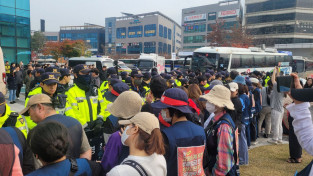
x: 19, y: 105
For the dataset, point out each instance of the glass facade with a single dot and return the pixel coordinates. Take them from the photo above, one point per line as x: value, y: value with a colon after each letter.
x: 134, y: 48
x: 194, y: 39
x: 195, y: 28
x: 134, y: 31
x: 121, y: 33
x: 150, y: 47
x: 271, y: 5
x: 94, y: 37
x: 272, y: 18
x: 52, y: 38
x: 15, y: 30
x: 150, y: 30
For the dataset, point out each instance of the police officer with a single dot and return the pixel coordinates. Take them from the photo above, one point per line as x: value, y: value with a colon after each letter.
x: 136, y: 80
x: 41, y: 109
x: 111, y: 73
x: 146, y: 84
x: 64, y: 80
x: 87, y: 105
x: 10, y: 118
x: 178, y: 79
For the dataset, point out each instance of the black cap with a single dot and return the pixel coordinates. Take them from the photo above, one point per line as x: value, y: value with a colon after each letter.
x: 2, y: 103
x: 114, y: 81
x: 81, y: 68
x: 146, y: 76
x: 65, y: 72
x: 40, y: 70
x: 136, y: 74
x: 304, y: 95
x: 118, y: 88
x: 192, y: 75
x: 52, y: 70
x: 111, y: 71
x: 184, y: 81
x: 124, y: 74
x: 49, y: 78
x: 167, y: 76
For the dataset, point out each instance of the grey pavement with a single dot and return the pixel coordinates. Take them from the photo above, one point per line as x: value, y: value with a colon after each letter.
x: 19, y: 105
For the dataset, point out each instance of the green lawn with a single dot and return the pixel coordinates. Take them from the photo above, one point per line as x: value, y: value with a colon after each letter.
x: 271, y: 160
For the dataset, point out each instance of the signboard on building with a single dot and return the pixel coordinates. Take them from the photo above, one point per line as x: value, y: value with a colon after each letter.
x: 228, y: 13
x: 195, y: 17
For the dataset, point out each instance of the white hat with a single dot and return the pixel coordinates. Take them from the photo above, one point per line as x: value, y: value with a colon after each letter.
x: 126, y: 105
x: 219, y: 96
x: 233, y: 86
x: 254, y: 80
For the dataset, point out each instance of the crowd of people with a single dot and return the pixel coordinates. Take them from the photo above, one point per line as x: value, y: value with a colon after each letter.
x: 176, y: 123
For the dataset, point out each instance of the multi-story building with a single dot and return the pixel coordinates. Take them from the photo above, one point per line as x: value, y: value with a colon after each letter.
x: 131, y: 35
x: 197, y: 21
x: 286, y: 23
x: 15, y: 30
x: 52, y: 36
x: 94, y: 35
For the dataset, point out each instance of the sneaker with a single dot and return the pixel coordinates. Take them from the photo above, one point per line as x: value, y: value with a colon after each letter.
x: 254, y: 143
x: 14, y: 102
x: 18, y: 98
x: 272, y: 142
x: 265, y: 135
x: 11, y: 102
x: 280, y: 141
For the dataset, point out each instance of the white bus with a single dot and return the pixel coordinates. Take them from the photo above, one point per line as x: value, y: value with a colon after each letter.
x: 303, y: 66
x: 240, y: 59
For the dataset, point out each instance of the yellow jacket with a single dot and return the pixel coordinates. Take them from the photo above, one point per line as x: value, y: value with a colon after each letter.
x: 21, y: 123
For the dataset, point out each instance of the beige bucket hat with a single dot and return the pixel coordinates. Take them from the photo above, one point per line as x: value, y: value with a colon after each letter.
x: 145, y: 120
x: 219, y: 96
x: 126, y: 105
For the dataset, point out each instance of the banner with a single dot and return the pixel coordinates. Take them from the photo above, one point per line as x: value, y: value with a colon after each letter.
x: 195, y: 17
x: 189, y: 160
x: 228, y: 13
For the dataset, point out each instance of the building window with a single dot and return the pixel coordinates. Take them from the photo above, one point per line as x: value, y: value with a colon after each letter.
x: 271, y: 18
x: 169, y: 49
x: 135, y: 32
x: 165, y: 48
x: 149, y: 47
x: 51, y: 38
x: 169, y: 34
x: 271, y: 5
x: 150, y: 30
x: 194, y: 39
x: 161, y: 30
x: 212, y: 16
x: 165, y: 32
x: 121, y: 33
x: 134, y: 48
x: 189, y: 28
x: 120, y: 48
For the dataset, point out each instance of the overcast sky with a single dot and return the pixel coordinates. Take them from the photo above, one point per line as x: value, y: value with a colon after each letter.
x: 76, y: 12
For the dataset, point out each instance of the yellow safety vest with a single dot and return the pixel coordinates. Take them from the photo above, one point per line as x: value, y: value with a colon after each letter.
x: 266, y: 80
x: 177, y: 82
x: 21, y: 123
x: 207, y: 85
x: 104, y: 87
x: 76, y: 99
x: 7, y: 69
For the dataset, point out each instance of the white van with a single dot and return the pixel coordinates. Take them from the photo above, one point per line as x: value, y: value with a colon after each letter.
x: 2, y: 74
x: 98, y: 62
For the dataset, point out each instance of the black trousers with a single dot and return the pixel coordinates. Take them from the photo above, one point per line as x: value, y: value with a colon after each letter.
x: 18, y: 90
x: 295, y: 150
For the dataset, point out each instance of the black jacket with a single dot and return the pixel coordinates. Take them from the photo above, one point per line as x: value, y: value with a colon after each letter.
x: 12, y: 82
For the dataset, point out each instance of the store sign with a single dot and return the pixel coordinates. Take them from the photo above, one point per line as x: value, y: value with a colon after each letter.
x: 228, y: 13
x: 136, y: 21
x: 195, y: 17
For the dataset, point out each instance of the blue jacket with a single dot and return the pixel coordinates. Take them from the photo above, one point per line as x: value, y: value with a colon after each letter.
x: 245, y: 112
x: 181, y: 134
x: 63, y: 168
x: 257, y: 99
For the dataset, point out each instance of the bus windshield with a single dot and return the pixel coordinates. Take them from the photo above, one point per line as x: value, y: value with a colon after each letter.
x: 145, y: 64
x: 204, y: 60
x: 298, y: 66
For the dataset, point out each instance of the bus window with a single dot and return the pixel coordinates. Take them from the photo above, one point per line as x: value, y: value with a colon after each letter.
x: 235, y: 61
x: 280, y: 59
x: 223, y: 62
x: 309, y: 65
x: 298, y: 65
x: 246, y: 61
x: 270, y: 61
x: 205, y: 60
x: 259, y: 61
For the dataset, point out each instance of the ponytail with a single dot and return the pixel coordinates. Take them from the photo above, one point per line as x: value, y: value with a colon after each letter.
x: 151, y: 143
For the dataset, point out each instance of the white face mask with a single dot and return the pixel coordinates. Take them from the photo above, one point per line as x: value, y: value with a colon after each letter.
x: 164, y: 116
x: 124, y: 136
x: 210, y: 107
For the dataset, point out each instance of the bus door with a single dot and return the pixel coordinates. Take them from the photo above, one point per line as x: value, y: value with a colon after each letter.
x: 223, y: 62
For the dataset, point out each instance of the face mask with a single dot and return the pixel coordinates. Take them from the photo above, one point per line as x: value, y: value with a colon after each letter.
x: 124, y: 136
x: 137, y: 82
x: 210, y: 107
x: 164, y: 116
x: 84, y: 79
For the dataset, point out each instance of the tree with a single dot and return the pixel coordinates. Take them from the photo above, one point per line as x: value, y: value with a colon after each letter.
x: 67, y: 48
x: 38, y: 41
x: 218, y: 35
x: 239, y: 37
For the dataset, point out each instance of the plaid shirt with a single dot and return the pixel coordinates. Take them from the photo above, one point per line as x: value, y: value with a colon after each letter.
x: 225, y: 160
